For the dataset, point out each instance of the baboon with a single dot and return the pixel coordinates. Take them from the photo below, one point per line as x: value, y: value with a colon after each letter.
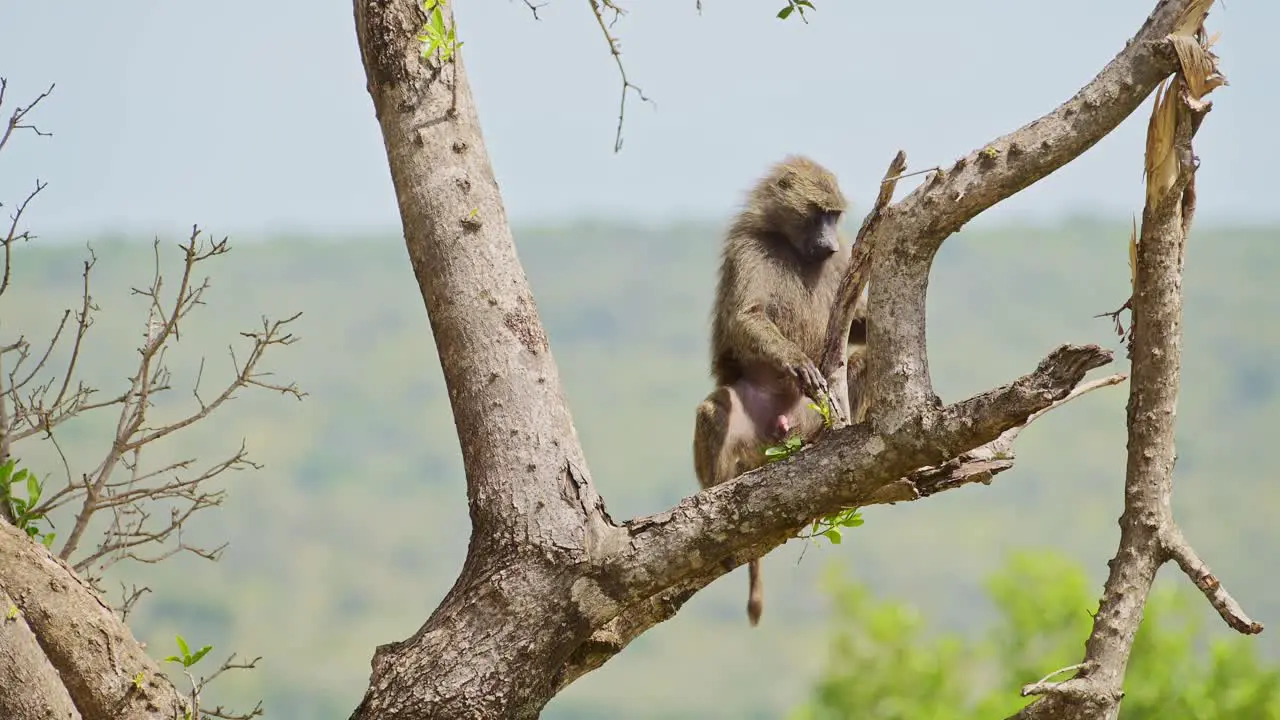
x: 781, y: 264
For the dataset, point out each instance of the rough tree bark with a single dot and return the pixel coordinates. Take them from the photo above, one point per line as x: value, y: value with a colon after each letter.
x: 552, y: 587
x: 90, y: 658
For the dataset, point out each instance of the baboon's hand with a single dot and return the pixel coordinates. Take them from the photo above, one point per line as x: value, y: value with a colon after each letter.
x: 810, y: 380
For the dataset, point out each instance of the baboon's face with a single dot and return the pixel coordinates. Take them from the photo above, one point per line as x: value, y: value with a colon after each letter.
x: 818, y: 238
x: 807, y: 207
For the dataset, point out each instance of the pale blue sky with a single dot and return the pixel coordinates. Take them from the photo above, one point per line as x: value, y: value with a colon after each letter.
x: 247, y: 116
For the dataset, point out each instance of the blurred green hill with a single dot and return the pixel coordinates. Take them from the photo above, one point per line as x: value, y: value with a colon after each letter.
x: 357, y: 524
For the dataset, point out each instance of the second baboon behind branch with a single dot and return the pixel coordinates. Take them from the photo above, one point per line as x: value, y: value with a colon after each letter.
x: 782, y: 264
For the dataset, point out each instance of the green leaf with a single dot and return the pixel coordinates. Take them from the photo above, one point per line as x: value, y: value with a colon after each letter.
x: 805, y: 3
x: 33, y: 489
x: 173, y: 658
x: 199, y: 654
x: 47, y: 540
x: 182, y: 645
x: 6, y: 470
x: 785, y: 12
x: 834, y: 536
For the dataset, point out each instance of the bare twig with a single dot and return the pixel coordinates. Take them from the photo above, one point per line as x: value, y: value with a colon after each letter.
x: 128, y: 499
x: 898, y: 177
x: 12, y: 235
x: 129, y: 598
x: 534, y: 7
x: 1043, y: 686
x: 598, y: 7
x: 15, y: 121
x: 198, y: 686
x: 1180, y: 551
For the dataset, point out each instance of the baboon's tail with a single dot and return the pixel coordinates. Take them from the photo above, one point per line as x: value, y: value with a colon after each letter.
x: 755, y: 597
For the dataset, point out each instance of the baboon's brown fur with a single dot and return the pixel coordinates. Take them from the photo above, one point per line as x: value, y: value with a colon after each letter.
x: 778, y: 280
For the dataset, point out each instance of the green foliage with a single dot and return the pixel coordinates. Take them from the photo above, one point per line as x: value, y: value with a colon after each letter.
x: 24, y: 508
x: 881, y: 665
x: 784, y: 449
x: 187, y: 658
x: 829, y: 526
x: 436, y: 36
x: 823, y: 408
x: 796, y: 6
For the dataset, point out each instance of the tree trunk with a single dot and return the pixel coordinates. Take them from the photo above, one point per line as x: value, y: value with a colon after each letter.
x: 551, y: 587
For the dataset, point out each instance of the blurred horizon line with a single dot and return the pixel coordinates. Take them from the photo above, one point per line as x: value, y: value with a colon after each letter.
x: 620, y: 221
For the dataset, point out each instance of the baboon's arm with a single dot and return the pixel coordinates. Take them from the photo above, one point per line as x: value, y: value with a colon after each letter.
x: 761, y: 342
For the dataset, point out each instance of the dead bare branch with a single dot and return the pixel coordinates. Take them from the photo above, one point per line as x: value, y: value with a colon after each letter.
x: 31, y: 407
x: 12, y: 235
x: 1180, y: 551
x: 1149, y: 535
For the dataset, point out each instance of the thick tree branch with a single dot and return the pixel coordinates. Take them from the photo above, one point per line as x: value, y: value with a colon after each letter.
x: 850, y: 467
x: 531, y: 501
x: 31, y: 688
x: 914, y: 228
x: 979, y: 465
x: 516, y: 432
x: 101, y: 664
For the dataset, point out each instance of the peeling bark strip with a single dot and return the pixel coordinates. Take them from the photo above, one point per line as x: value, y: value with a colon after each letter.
x: 551, y: 587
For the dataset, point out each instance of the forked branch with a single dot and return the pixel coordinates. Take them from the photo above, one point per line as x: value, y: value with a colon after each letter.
x: 1149, y: 535
x: 833, y: 360
x: 904, y: 244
